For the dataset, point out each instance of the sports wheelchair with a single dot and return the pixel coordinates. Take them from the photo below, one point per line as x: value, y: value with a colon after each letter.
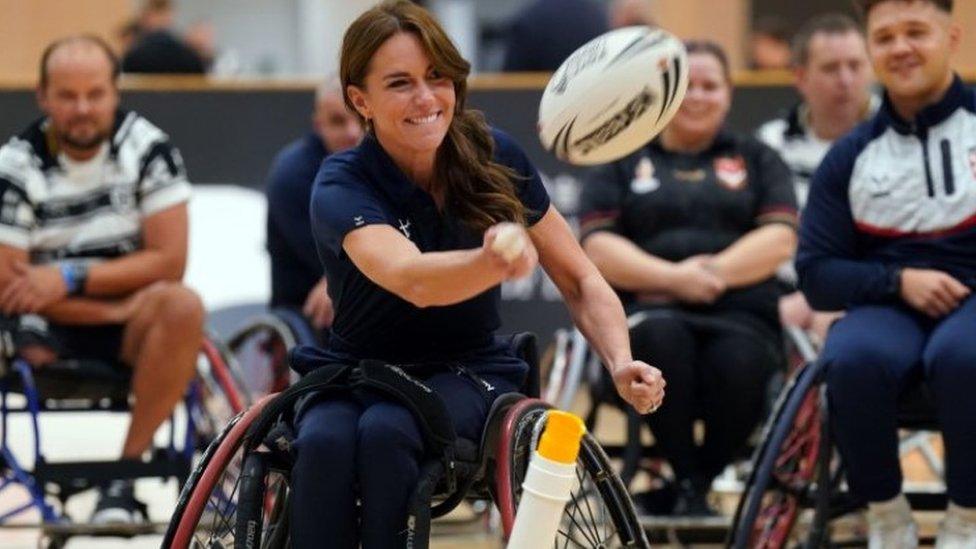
x: 245, y: 462
x: 77, y: 385
x: 797, y: 472
x: 572, y: 365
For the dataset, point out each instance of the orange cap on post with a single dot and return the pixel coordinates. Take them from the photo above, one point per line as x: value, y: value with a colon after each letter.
x: 560, y: 440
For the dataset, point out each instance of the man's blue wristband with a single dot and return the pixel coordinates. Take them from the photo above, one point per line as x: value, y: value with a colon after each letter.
x: 72, y: 281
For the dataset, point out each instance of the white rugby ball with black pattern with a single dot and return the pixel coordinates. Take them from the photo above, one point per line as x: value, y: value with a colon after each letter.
x: 613, y: 95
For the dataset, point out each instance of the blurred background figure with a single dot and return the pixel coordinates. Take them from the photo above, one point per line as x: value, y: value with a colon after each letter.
x: 833, y: 76
x: 93, y: 240
x: 297, y: 280
x: 769, y: 44
x: 544, y: 33
x: 127, y: 35
x: 690, y: 230
x: 201, y: 36
x: 627, y: 13
x: 157, y: 48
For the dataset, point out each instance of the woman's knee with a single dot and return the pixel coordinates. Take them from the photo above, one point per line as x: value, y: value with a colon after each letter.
x: 386, y: 428
x: 327, y: 434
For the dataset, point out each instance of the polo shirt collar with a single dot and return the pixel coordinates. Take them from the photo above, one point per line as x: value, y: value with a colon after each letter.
x: 932, y: 115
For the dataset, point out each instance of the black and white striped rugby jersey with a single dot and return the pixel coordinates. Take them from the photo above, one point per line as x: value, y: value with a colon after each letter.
x: 58, y: 209
x: 794, y: 140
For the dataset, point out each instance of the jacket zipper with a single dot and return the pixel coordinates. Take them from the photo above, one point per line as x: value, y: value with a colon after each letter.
x: 923, y: 137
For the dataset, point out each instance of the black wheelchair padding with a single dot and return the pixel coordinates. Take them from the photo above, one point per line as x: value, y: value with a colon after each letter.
x: 79, y: 384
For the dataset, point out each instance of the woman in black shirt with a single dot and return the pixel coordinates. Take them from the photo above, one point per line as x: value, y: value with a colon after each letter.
x: 690, y: 230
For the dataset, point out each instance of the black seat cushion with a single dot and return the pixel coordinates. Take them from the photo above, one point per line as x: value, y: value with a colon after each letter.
x: 79, y: 379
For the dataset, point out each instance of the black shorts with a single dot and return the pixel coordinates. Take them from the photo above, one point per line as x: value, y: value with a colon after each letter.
x: 102, y: 342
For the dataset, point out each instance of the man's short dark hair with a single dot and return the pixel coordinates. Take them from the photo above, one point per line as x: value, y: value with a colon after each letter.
x: 864, y: 7
x: 81, y: 38
x: 828, y: 23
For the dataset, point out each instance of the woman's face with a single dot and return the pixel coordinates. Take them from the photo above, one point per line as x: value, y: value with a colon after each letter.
x: 706, y: 102
x: 409, y: 104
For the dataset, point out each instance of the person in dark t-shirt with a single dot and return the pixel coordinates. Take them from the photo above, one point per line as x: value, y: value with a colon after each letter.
x: 690, y: 230
x: 297, y: 281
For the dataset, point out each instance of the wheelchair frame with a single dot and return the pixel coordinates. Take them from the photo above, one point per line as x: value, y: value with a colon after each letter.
x: 91, y: 385
x: 796, y: 468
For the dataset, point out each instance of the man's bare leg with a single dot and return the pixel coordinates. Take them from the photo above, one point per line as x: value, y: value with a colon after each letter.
x: 161, y: 342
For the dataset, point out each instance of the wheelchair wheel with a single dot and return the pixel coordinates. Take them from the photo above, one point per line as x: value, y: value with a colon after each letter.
x: 207, y: 512
x: 599, y: 513
x: 261, y: 348
x: 222, y: 393
x: 792, y: 468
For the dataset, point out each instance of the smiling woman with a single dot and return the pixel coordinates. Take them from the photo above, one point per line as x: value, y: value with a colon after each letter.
x: 416, y: 228
x: 408, y: 82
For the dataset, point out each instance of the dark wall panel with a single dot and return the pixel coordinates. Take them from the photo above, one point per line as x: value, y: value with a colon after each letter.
x: 231, y: 136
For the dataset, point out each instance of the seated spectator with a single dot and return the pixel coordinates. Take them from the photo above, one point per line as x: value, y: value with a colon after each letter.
x: 690, y: 230
x: 93, y: 243
x: 297, y: 281
x: 888, y: 235
x: 833, y: 76
x: 544, y: 33
x: 158, y: 49
x: 769, y: 44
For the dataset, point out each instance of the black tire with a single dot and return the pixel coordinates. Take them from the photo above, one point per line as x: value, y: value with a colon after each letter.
x: 206, y: 513
x: 600, y: 513
x: 756, y: 515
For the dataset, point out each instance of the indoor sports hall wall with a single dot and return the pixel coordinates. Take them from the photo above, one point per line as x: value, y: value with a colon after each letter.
x: 229, y: 132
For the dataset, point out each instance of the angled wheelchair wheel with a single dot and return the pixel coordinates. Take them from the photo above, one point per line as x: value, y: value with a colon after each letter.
x: 221, y: 392
x: 600, y: 513
x: 261, y: 348
x: 213, y: 509
x: 792, y: 469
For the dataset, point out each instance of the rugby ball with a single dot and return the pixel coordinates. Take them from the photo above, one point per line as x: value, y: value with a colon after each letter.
x: 613, y: 95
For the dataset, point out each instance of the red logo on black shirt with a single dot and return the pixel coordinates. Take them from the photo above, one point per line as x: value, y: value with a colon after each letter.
x: 731, y: 172
x: 972, y: 160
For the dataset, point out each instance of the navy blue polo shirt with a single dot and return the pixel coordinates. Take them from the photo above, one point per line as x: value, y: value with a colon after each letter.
x: 295, y: 269
x: 363, y: 186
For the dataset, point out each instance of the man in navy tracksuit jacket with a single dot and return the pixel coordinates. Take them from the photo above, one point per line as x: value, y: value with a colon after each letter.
x: 889, y: 233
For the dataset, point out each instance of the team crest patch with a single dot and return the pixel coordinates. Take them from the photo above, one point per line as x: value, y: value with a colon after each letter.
x: 731, y: 172
x: 971, y: 156
x: 644, y: 180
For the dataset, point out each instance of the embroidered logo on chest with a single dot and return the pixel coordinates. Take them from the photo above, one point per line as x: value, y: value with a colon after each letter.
x: 405, y: 227
x: 644, y: 180
x: 730, y: 172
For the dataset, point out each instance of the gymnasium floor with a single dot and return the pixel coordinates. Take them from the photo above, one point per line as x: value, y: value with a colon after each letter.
x: 98, y: 436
